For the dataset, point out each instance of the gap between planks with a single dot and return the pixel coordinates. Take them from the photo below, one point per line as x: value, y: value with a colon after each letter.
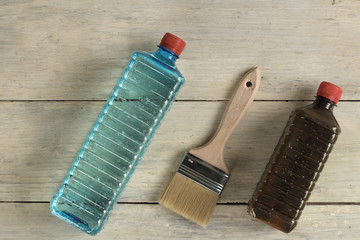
x: 198, y: 100
x: 228, y: 203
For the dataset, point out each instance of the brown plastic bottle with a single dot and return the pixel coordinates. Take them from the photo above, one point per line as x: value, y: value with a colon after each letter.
x: 297, y: 161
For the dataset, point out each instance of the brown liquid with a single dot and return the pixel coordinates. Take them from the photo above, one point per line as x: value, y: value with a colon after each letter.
x: 295, y: 165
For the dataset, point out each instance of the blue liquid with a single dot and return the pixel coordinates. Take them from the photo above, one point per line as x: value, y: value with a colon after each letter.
x: 118, y: 140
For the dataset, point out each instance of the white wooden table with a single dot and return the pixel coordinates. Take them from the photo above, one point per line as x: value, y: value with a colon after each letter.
x: 61, y: 59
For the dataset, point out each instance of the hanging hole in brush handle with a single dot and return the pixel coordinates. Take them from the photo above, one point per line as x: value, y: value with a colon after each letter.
x: 239, y: 103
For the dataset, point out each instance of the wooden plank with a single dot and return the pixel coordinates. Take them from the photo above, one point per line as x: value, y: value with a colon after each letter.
x: 40, y: 141
x: 59, y: 50
x: 139, y: 221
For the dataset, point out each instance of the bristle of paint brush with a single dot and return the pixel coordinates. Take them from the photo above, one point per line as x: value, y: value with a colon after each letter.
x: 194, y: 189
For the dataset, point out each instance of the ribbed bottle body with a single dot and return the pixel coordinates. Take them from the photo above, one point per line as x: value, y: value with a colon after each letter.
x: 116, y: 142
x: 294, y: 167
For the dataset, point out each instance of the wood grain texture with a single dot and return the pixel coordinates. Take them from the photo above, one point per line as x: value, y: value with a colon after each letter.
x: 140, y: 221
x: 42, y: 139
x: 70, y: 51
x: 60, y: 50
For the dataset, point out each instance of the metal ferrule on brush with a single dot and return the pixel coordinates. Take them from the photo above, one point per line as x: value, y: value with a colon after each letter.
x: 203, y: 173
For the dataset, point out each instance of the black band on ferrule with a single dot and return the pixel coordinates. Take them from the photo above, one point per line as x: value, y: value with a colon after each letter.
x: 203, y: 173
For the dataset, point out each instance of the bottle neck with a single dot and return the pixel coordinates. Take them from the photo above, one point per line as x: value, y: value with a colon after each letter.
x: 323, y: 102
x: 166, y: 56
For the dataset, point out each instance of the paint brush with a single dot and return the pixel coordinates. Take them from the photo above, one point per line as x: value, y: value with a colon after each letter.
x: 202, y: 174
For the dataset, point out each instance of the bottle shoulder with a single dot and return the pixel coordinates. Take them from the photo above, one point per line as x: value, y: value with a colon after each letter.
x: 319, y: 116
x: 153, y: 62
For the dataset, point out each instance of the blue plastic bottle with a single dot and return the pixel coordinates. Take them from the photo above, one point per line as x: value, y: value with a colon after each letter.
x: 119, y: 137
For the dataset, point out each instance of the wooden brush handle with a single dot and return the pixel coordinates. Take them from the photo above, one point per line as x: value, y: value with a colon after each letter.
x: 213, y: 151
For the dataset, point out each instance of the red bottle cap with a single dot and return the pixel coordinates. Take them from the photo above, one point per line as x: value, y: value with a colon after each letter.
x: 329, y: 91
x: 173, y: 43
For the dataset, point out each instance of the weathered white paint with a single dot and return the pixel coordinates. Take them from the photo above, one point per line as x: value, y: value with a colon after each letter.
x: 42, y: 139
x: 77, y: 50
x: 143, y: 221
